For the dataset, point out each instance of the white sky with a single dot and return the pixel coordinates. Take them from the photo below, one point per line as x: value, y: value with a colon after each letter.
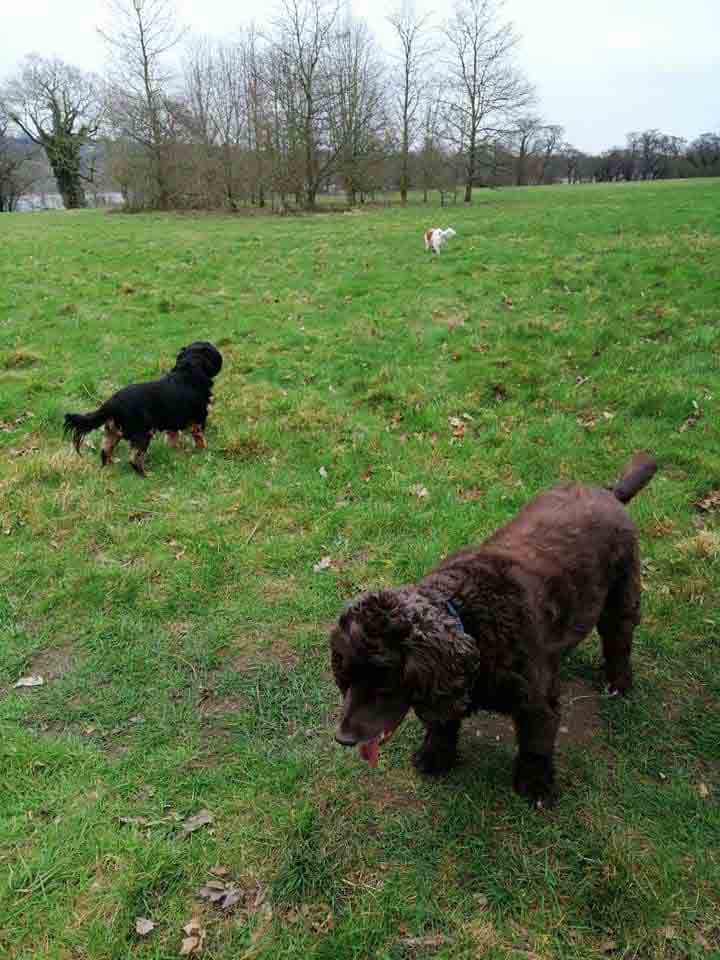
x: 600, y: 68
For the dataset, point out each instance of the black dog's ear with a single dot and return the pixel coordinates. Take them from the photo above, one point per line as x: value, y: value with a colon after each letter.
x: 212, y: 361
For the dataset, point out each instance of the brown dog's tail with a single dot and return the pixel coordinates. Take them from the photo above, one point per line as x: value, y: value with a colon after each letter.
x: 635, y: 476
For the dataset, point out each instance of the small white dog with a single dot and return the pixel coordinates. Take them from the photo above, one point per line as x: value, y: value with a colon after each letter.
x: 435, y: 238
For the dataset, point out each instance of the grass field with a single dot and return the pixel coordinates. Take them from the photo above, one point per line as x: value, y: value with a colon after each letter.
x: 377, y: 409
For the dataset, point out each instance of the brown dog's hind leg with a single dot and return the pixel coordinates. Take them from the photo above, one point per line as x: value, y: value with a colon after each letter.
x: 173, y: 438
x: 536, y: 729
x: 138, y: 448
x: 438, y: 751
x: 198, y: 436
x: 616, y: 626
x: 110, y: 440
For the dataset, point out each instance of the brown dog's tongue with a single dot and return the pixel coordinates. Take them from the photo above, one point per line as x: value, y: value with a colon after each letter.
x: 371, y: 749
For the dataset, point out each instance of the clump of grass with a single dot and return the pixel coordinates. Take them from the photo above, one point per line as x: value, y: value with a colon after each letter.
x: 20, y: 358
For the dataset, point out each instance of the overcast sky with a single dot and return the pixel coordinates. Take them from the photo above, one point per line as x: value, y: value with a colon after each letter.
x: 600, y: 68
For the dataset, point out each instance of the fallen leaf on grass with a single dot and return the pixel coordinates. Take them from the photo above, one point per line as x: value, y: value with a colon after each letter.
x: 703, y: 790
x: 436, y: 940
x: 323, y: 473
x: 134, y: 821
x: 34, y: 680
x: 323, y: 564
x: 693, y: 419
x: 458, y: 427
x: 227, y: 895
x: 702, y: 941
x: 710, y: 502
x: 201, y: 819
x: 194, y: 940
x: 143, y: 926
x: 223, y: 895
x: 419, y: 491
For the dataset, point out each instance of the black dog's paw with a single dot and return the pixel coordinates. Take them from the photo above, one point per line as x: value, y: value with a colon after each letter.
x: 535, y: 780
x: 434, y: 762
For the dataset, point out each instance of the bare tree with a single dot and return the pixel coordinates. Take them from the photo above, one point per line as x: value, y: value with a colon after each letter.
x: 524, y: 139
x: 704, y: 154
x: 18, y: 172
x: 412, y: 79
x: 548, y: 142
x: 431, y: 158
x: 139, y: 34
x: 59, y: 108
x: 485, y: 90
x: 359, y: 118
x: 305, y: 33
x: 571, y: 158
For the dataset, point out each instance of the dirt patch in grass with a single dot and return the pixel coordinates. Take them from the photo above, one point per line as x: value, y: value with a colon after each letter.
x: 246, y: 449
x: 385, y: 794
x: 55, y: 663
x: 213, y: 706
x: 452, y: 318
x: 580, y: 712
x: 279, y: 650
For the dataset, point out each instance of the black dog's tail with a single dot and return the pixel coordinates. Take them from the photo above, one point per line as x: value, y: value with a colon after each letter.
x: 635, y: 476
x: 78, y: 424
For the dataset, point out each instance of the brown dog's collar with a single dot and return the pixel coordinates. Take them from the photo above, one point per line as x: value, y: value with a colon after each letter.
x: 453, y: 611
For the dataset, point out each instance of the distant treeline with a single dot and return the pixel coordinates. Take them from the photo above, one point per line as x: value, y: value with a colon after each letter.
x: 309, y: 105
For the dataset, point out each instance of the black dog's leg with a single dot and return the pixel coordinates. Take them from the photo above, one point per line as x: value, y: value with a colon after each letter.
x: 111, y: 439
x: 536, y: 729
x: 438, y: 752
x: 198, y: 433
x: 616, y: 626
x: 138, y: 448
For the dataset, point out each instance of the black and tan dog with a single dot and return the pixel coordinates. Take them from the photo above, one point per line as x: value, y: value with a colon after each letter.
x: 486, y: 630
x: 177, y: 401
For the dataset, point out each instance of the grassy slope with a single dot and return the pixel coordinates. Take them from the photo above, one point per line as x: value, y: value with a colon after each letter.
x: 181, y: 628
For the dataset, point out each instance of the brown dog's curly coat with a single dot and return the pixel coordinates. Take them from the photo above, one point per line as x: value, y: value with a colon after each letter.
x: 488, y: 627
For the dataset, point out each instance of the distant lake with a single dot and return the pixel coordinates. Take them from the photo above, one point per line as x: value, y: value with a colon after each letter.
x: 53, y: 201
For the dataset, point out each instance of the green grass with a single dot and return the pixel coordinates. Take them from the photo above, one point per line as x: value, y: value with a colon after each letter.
x: 181, y: 628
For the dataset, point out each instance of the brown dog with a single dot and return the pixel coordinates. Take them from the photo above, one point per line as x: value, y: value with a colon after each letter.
x: 488, y: 627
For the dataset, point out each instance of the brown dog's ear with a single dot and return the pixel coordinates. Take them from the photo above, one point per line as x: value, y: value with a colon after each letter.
x: 382, y: 619
x: 421, y: 670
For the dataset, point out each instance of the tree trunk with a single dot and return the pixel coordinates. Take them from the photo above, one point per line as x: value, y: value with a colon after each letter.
x: 470, y: 172
x: 404, y: 177
x: 64, y: 159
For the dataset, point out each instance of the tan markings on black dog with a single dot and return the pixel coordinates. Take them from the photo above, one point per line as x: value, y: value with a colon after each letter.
x: 136, y: 459
x: 110, y: 440
x: 198, y: 436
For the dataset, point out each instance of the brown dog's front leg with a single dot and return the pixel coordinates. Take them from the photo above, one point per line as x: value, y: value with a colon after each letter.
x: 438, y: 752
x: 536, y: 729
